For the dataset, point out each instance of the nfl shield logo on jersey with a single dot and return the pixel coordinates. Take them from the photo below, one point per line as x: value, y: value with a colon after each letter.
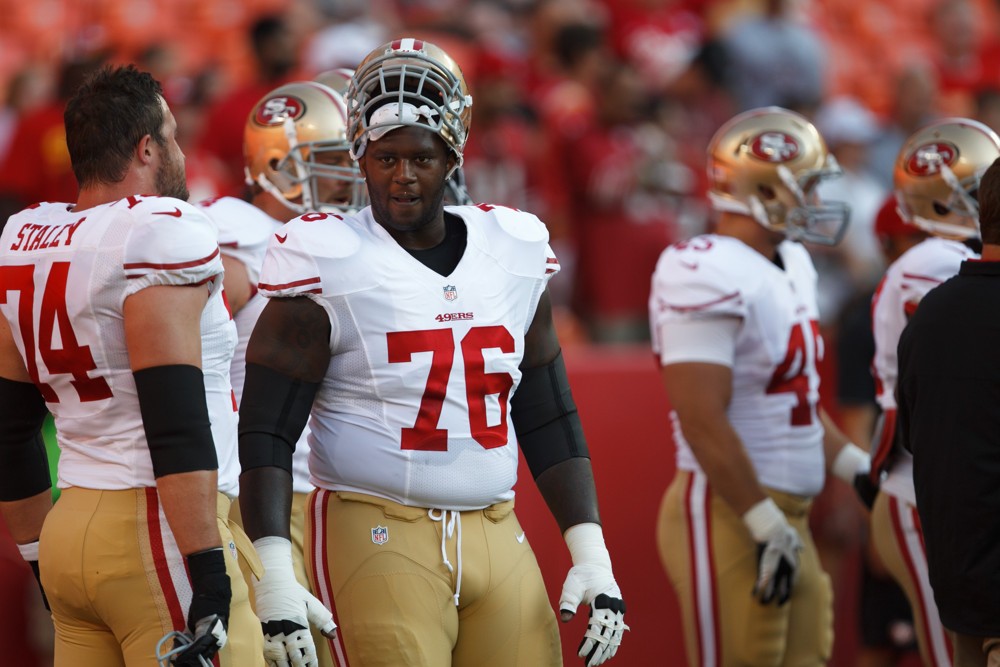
x: 450, y: 293
x: 380, y: 534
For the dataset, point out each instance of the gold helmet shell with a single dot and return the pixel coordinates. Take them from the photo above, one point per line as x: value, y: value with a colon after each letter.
x: 295, y: 147
x: 766, y: 163
x: 408, y: 82
x: 937, y: 176
x: 338, y: 79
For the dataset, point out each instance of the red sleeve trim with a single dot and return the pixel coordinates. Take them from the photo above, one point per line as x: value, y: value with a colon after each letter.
x: 917, y: 276
x: 700, y: 306
x: 176, y: 265
x: 297, y: 283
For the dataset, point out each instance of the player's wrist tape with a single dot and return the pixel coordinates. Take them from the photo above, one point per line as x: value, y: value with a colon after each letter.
x: 762, y: 519
x: 29, y: 551
x: 585, y: 542
x: 273, y: 411
x: 24, y: 466
x: 175, y: 418
x: 545, y: 418
x: 276, y: 556
x: 851, y: 460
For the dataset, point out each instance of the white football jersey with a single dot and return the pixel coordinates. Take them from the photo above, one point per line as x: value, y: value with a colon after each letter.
x: 915, y: 273
x: 244, y: 232
x: 64, y: 278
x: 415, y: 406
x: 774, y: 405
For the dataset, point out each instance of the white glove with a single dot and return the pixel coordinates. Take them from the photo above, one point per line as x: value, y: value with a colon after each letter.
x: 286, y: 609
x: 778, y: 547
x: 592, y: 582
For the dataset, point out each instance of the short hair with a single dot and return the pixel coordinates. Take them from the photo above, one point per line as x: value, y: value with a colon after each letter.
x: 989, y: 204
x: 107, y: 117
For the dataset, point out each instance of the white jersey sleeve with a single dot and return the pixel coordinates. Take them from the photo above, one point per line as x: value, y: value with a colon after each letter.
x: 170, y: 243
x: 244, y: 231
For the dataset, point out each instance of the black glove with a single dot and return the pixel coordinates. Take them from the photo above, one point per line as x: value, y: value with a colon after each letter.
x: 208, y: 616
x: 866, y: 488
x: 38, y: 578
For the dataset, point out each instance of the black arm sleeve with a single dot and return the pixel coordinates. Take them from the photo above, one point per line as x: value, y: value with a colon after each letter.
x: 273, y: 412
x: 24, y: 467
x: 175, y: 418
x: 545, y: 418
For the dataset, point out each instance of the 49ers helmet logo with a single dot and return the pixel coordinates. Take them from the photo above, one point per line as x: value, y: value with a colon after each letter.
x: 928, y: 159
x: 773, y: 146
x: 275, y: 110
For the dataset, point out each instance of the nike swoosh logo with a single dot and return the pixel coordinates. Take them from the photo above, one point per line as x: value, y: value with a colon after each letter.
x: 281, y: 237
x: 689, y: 265
x: 176, y: 213
x: 519, y: 538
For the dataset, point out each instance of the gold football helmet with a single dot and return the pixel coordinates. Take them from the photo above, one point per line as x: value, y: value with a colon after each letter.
x: 408, y: 82
x: 937, y: 176
x: 338, y: 79
x: 767, y: 163
x: 295, y: 147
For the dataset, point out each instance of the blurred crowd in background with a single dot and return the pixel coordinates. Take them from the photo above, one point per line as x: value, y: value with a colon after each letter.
x: 592, y: 114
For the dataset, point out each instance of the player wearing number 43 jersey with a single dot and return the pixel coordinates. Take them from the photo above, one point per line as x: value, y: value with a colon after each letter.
x: 420, y: 338
x: 735, y: 328
x: 114, y: 319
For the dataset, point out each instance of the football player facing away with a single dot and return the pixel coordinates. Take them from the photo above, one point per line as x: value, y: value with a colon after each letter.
x: 114, y: 320
x: 420, y: 338
x: 735, y: 327
x: 297, y: 160
x: 936, y: 180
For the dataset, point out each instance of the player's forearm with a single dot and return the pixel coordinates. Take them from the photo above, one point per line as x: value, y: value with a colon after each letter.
x: 25, y: 517
x: 569, y: 491
x: 189, y: 503
x: 266, y: 502
x: 725, y: 462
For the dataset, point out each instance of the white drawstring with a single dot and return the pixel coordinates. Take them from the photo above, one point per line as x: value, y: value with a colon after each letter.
x: 448, y: 528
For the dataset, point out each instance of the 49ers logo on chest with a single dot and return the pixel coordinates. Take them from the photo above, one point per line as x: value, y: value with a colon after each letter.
x: 774, y: 146
x: 275, y: 110
x: 928, y: 159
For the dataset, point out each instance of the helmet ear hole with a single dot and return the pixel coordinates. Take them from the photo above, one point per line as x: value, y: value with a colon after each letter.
x: 767, y: 193
x: 941, y: 209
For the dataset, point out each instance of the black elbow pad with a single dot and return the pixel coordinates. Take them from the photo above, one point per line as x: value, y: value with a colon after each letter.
x: 24, y: 466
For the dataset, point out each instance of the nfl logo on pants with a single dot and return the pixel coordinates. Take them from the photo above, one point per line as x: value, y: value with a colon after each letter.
x: 380, y: 535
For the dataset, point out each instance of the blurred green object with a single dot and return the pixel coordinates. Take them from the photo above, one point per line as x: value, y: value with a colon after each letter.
x: 49, y: 434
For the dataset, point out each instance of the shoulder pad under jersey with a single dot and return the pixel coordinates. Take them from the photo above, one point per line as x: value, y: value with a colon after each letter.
x: 518, y: 240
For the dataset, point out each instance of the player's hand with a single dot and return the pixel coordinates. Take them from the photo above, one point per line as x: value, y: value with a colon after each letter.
x: 286, y: 609
x: 208, y: 615
x: 866, y: 488
x: 778, y: 547
x: 591, y: 581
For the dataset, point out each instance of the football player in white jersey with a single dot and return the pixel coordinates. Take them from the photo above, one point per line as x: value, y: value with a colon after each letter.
x: 297, y: 160
x: 114, y: 320
x: 936, y: 177
x: 420, y: 338
x: 735, y: 328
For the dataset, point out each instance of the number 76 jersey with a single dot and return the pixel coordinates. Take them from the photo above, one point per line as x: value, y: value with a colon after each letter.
x: 415, y: 405
x: 775, y: 392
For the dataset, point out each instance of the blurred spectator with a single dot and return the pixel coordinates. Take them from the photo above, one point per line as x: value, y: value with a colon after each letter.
x: 275, y: 49
x: 855, y: 264
x: 622, y: 176
x: 987, y: 110
x: 29, y: 89
x: 955, y: 28
x: 36, y: 167
x: 774, y: 58
x: 913, y: 107
x: 353, y: 29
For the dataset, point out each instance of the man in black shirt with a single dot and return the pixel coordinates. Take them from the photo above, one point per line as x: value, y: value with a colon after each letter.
x: 948, y: 394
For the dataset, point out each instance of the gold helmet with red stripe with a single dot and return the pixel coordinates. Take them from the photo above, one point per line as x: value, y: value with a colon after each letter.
x: 295, y: 148
x: 767, y: 163
x: 408, y: 82
x: 937, y: 176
